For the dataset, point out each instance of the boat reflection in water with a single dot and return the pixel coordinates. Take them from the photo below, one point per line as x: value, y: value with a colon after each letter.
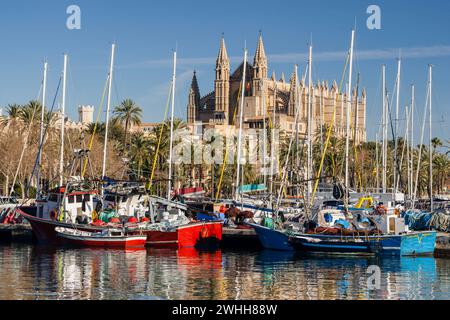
x: 39, y: 272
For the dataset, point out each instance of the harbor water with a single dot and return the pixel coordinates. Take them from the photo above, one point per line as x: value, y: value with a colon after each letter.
x: 39, y: 272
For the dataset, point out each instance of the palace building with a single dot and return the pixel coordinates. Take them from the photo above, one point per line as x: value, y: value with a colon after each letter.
x: 219, y: 109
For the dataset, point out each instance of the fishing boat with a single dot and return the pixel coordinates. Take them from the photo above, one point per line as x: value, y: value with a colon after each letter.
x: 169, y: 226
x: 78, y: 208
x: 110, y: 238
x: 409, y: 244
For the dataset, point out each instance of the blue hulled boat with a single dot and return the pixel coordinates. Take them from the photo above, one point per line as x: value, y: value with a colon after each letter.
x: 272, y: 239
x: 409, y: 244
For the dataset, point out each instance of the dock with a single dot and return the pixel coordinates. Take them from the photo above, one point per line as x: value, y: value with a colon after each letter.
x: 16, y: 232
x: 442, y: 245
x: 240, y: 238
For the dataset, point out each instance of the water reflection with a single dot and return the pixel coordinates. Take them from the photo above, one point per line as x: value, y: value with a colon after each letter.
x: 38, y: 272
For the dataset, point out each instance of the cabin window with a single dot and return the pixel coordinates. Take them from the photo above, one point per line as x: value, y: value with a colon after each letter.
x: 124, y: 199
x: 87, y: 197
x: 79, y: 198
x: 71, y: 199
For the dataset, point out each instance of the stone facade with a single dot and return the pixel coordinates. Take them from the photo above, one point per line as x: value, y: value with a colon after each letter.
x: 219, y: 109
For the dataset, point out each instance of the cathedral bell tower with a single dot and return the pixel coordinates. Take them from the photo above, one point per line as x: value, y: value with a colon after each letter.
x: 222, y: 85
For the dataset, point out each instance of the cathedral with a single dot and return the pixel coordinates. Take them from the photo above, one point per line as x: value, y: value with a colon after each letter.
x: 265, y: 96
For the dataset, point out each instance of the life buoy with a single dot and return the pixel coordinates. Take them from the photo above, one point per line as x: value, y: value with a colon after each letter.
x: 53, y: 214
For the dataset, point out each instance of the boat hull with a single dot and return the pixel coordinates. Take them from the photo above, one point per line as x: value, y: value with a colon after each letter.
x: 44, y: 230
x: 414, y: 244
x: 204, y: 234
x: 272, y: 239
x: 117, y: 243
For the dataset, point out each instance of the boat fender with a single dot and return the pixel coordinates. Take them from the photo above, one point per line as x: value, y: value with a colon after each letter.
x: 381, y: 210
x: 94, y: 215
x: 204, y: 233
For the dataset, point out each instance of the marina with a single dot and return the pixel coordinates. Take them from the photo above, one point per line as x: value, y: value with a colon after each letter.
x: 330, y: 184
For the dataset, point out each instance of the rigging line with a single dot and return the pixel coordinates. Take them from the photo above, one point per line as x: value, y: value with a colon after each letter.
x: 49, y: 114
x: 219, y: 186
x: 330, y: 128
x: 163, y: 124
x: 284, y: 188
x: 100, y: 108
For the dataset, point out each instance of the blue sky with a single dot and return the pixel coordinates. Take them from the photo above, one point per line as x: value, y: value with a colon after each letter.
x: 146, y: 32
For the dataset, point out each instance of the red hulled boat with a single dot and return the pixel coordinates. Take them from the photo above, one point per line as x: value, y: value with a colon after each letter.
x: 107, y: 239
x: 194, y: 234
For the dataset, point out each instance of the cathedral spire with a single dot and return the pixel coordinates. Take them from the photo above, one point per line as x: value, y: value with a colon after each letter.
x: 260, y: 61
x: 193, y: 100
x: 222, y: 58
x: 222, y: 84
x: 259, y: 68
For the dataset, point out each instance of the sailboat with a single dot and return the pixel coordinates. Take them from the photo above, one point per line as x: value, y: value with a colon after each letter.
x: 71, y: 205
x: 364, y: 231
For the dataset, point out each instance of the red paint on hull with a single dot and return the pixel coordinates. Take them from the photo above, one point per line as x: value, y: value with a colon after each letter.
x: 186, y: 236
x: 118, y: 244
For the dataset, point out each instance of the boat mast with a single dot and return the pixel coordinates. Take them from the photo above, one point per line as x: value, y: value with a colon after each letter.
x: 241, y: 115
x: 309, y: 138
x: 297, y: 160
x: 411, y: 173
x: 272, y: 145
x: 174, y: 79
x: 263, y: 98
x: 430, y: 67
x: 41, y: 139
x: 63, y: 110
x: 397, y: 105
x: 108, y: 107
x: 377, y: 164
x: 384, y: 125
x: 349, y: 105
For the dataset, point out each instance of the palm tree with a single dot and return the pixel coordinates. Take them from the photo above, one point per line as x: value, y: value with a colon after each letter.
x: 129, y: 114
x: 30, y: 112
x: 139, y: 154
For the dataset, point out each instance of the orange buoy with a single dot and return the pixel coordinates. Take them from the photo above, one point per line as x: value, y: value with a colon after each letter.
x: 145, y: 219
x: 132, y: 220
x: 114, y: 220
